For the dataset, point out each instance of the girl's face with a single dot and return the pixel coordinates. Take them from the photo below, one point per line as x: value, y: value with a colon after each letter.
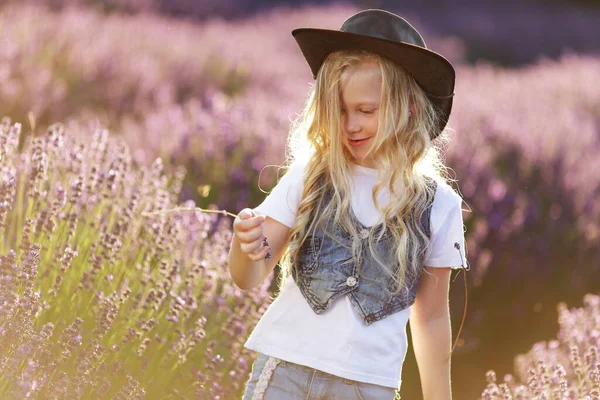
x: 360, y: 90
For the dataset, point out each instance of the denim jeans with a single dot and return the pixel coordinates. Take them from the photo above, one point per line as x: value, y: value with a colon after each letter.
x: 291, y: 381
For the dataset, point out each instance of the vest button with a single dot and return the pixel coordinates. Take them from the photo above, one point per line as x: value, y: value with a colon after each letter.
x: 351, y: 281
x: 364, y: 234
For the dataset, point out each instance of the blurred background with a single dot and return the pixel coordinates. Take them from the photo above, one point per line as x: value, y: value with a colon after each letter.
x: 211, y: 85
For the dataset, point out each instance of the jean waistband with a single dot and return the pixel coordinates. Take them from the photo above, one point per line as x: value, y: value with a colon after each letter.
x: 284, y: 363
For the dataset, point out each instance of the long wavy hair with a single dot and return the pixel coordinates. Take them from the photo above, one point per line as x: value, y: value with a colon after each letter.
x: 402, y: 151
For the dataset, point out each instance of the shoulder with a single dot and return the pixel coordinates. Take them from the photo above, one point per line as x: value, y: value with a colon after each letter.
x: 292, y: 177
x: 297, y: 167
x: 282, y: 201
x: 445, y: 194
x: 446, y: 203
x: 292, y: 174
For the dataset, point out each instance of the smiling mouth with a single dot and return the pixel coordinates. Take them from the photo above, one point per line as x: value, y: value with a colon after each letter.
x: 357, y: 140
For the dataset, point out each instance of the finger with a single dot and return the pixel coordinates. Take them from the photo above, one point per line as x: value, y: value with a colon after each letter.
x: 250, y: 247
x: 247, y: 224
x: 259, y: 255
x: 238, y: 222
x: 246, y: 213
x: 242, y: 216
x: 249, y: 236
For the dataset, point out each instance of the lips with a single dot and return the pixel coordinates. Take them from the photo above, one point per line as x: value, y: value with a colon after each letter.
x: 357, y: 140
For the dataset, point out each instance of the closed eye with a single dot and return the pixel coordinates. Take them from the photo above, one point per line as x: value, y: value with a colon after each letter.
x: 367, y: 111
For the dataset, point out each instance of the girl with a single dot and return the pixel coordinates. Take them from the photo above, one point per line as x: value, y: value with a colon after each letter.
x: 365, y: 225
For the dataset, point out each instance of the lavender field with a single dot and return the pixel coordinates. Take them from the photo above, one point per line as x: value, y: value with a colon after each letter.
x: 111, y: 115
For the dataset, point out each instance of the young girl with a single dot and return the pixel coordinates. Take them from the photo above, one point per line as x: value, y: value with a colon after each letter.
x: 366, y: 224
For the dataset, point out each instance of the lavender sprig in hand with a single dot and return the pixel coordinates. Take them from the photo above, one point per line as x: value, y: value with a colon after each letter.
x: 224, y: 212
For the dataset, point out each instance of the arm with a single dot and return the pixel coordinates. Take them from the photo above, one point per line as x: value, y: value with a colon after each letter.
x: 249, y: 270
x: 431, y: 333
x: 248, y: 274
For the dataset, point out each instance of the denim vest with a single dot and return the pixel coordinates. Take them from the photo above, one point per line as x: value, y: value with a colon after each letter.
x: 325, y: 270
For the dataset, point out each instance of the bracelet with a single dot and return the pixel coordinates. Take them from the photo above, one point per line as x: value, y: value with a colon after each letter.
x: 265, y: 243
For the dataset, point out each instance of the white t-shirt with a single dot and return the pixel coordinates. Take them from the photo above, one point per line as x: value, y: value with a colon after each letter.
x: 337, y: 341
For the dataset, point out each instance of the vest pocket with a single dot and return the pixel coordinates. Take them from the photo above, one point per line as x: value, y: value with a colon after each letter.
x: 307, y: 255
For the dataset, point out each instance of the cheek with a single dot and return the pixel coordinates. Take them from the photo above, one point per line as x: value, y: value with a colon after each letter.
x: 373, y: 125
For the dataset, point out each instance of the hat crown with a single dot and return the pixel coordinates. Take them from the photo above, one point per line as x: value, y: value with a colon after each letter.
x: 383, y: 24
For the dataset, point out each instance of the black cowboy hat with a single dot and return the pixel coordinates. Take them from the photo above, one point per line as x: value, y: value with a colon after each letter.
x: 389, y: 35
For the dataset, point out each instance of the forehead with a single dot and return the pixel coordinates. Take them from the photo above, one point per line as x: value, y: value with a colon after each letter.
x: 361, y: 83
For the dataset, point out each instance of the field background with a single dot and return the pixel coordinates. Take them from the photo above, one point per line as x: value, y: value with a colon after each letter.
x: 209, y: 88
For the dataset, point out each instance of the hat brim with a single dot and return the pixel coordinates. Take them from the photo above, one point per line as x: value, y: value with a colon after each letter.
x: 432, y: 71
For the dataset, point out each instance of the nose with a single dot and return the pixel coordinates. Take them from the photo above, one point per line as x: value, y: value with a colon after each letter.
x: 351, y: 124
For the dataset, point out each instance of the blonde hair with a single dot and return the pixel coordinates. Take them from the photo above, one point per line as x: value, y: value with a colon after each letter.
x: 401, y: 150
